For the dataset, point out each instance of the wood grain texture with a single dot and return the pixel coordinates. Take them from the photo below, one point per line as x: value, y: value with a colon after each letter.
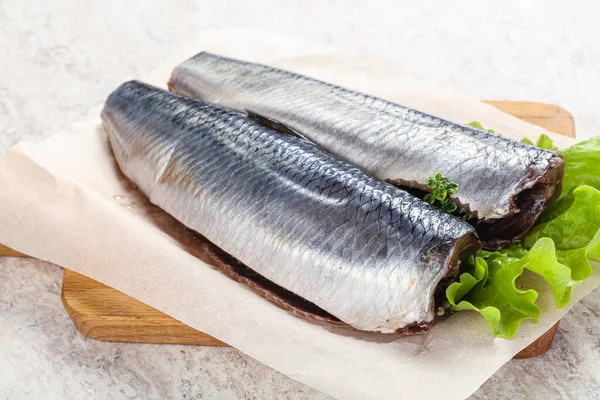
x: 8, y: 252
x: 541, y: 345
x: 548, y: 116
x: 103, y: 313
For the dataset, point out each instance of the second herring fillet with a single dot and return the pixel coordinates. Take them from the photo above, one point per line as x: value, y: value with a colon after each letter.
x: 365, y: 251
x: 504, y: 184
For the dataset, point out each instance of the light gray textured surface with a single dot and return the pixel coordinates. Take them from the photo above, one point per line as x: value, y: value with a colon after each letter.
x: 60, y: 60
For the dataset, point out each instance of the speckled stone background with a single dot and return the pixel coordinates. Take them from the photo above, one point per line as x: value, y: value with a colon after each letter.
x: 59, y: 60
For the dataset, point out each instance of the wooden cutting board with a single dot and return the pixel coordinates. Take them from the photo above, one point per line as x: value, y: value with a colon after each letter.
x: 103, y: 313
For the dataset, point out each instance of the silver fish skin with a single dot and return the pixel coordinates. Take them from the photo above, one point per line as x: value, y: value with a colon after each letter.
x: 365, y: 251
x: 497, y: 177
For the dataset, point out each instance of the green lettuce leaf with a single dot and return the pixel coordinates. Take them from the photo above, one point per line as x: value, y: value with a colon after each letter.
x: 497, y: 298
x: 558, y: 249
x: 575, y: 230
x: 593, y: 249
x: 576, y: 226
x: 582, y: 165
x: 477, y: 125
x: 545, y: 142
x: 527, y: 141
x: 543, y: 260
x: 577, y: 261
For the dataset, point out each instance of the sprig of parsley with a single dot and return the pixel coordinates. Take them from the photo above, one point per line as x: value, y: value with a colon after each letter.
x: 441, y: 190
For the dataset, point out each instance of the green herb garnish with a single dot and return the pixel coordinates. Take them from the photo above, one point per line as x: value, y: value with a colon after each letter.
x: 442, y: 190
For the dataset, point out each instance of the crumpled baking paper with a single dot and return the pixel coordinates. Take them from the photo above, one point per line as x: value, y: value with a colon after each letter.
x: 63, y: 200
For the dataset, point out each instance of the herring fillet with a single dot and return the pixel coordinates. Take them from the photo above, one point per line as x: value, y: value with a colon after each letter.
x: 504, y: 184
x: 365, y: 251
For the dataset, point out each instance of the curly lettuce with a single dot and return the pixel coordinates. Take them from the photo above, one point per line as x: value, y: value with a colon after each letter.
x: 477, y: 125
x: 582, y: 165
x: 559, y: 249
x: 544, y: 142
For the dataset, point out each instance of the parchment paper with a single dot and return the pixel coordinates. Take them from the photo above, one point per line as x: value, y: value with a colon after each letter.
x: 62, y: 200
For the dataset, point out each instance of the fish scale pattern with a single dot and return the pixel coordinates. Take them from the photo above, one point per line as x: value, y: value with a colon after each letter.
x: 384, y: 139
x: 363, y: 250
